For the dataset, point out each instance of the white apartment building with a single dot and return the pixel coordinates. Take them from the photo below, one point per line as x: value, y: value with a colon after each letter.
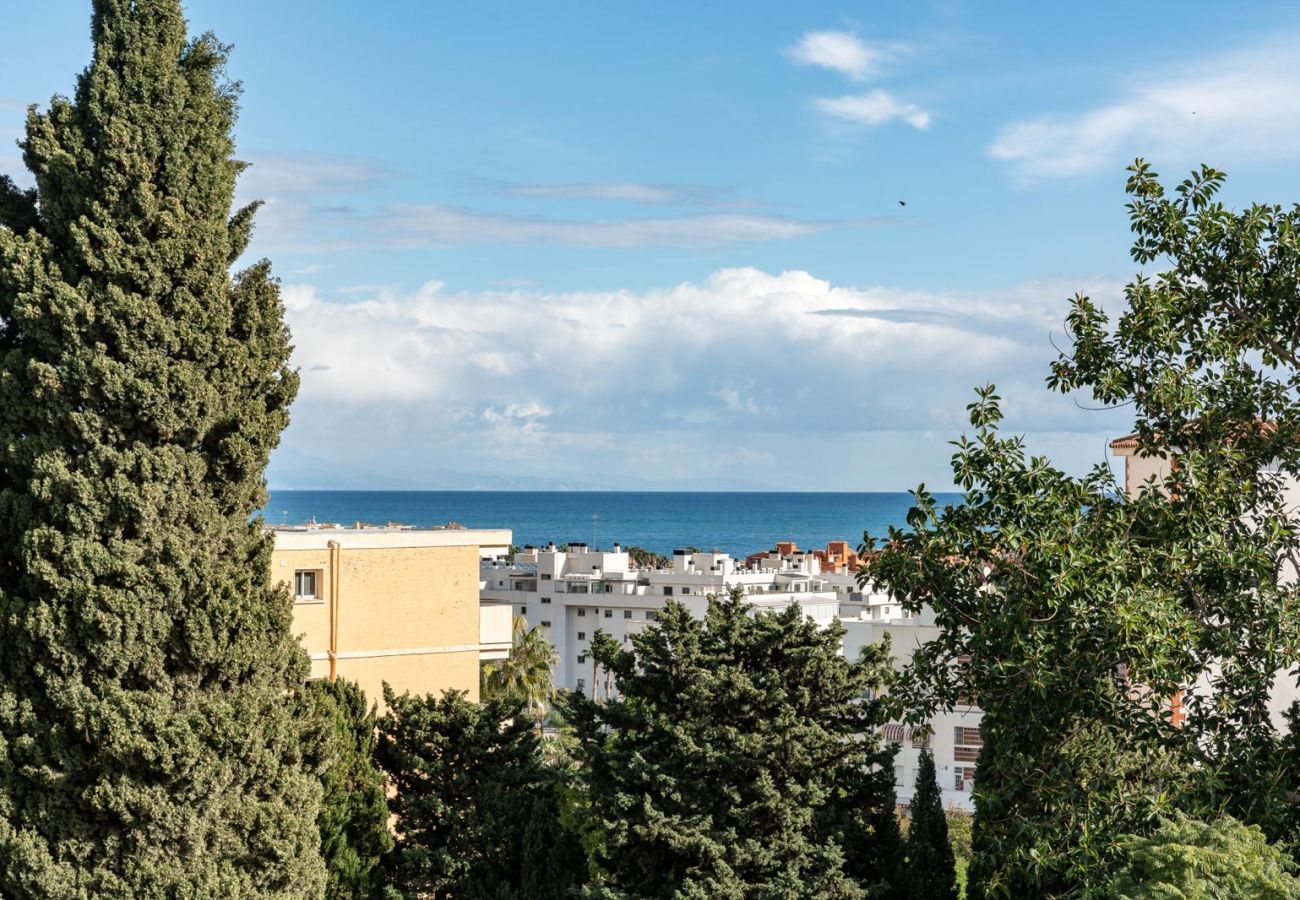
x: 953, y: 735
x: 574, y: 592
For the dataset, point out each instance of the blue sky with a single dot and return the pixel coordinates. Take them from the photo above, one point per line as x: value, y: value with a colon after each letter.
x: 653, y: 246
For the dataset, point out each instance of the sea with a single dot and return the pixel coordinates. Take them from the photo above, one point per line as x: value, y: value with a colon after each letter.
x: 736, y: 523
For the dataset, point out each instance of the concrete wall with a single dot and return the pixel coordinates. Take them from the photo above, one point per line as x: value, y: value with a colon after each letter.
x: 400, y: 608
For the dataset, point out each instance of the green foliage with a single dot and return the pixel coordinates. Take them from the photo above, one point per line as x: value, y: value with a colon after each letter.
x: 149, y: 743
x: 931, y: 868
x: 527, y: 673
x: 554, y: 861
x: 1186, y: 859
x: 470, y: 790
x: 353, y: 818
x: 1072, y: 613
x: 647, y: 559
x: 874, y: 852
x: 727, y: 764
x: 959, y: 838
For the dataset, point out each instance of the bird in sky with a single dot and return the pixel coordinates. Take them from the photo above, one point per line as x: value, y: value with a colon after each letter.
x: 902, y: 202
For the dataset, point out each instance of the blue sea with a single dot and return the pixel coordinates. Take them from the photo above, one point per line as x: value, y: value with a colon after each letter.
x: 736, y: 523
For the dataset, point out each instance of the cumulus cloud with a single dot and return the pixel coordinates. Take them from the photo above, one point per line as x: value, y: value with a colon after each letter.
x: 1236, y: 107
x: 605, y: 386
x: 872, y: 108
x: 844, y: 52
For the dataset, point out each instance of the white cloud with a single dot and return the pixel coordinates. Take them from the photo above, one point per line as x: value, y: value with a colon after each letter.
x: 1232, y: 108
x: 303, y: 213
x: 272, y: 175
x: 602, y: 387
x: 844, y: 52
x: 425, y: 224
x: 872, y: 108
x: 636, y: 192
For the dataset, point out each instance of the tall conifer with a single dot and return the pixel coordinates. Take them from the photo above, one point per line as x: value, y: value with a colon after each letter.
x: 147, y: 742
x: 931, y: 867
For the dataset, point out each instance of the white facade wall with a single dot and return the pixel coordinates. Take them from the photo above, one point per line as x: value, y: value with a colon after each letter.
x: 867, y: 619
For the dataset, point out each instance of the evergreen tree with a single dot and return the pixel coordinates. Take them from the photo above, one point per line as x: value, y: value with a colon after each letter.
x: 466, y: 778
x: 716, y: 770
x: 554, y: 863
x: 353, y: 819
x: 148, y: 741
x: 873, y: 842
x: 931, y: 868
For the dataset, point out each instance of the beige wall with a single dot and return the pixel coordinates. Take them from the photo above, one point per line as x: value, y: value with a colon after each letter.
x: 407, y: 615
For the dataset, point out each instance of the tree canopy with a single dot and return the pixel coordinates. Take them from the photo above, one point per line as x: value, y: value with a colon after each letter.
x: 735, y: 756
x: 353, y: 818
x: 931, y: 868
x: 149, y: 742
x: 469, y: 788
x: 1073, y: 611
x: 1192, y: 860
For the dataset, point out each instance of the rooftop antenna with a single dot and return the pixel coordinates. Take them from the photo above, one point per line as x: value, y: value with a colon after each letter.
x: 593, y: 531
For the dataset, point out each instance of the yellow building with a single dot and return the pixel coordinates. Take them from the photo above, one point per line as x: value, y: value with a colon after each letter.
x: 393, y: 604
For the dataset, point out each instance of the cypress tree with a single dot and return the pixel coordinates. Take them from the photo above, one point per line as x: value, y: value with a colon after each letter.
x: 554, y: 864
x: 931, y: 868
x: 353, y: 817
x: 148, y: 741
x: 466, y: 777
x: 872, y: 839
x: 736, y: 760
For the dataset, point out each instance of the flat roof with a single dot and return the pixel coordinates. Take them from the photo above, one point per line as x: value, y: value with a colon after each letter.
x: 318, y: 538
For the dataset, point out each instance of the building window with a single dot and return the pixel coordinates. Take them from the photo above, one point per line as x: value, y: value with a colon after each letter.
x: 668, y: 591
x: 546, y: 599
x: 306, y: 584
x: 651, y: 616
x: 582, y: 658
x: 898, y: 776
x: 546, y: 578
x: 966, y: 744
x: 627, y: 613
x: 545, y: 623
x: 921, y: 737
x: 582, y: 685
x: 582, y: 635
x: 581, y: 611
x: 963, y: 777
x: 523, y: 610
x: 609, y: 614
x: 686, y: 590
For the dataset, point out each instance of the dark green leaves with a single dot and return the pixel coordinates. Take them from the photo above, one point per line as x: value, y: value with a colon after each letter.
x: 731, y: 763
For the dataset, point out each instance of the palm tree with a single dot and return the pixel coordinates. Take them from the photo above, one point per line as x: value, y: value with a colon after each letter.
x: 527, y: 672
